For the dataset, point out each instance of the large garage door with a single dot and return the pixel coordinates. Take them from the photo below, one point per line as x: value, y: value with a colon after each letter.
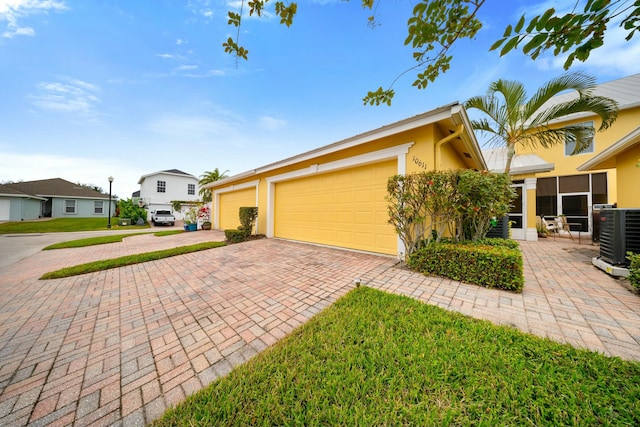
x: 230, y: 203
x: 346, y: 208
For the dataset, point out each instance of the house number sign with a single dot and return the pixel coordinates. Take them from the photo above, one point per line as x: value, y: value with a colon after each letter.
x: 419, y: 162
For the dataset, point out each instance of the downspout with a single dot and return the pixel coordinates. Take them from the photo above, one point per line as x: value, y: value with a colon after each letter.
x: 439, y: 144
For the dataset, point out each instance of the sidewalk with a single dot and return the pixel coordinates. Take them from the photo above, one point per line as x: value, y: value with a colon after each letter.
x: 119, y: 347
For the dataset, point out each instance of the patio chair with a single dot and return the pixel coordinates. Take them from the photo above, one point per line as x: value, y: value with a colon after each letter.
x: 548, y: 226
x: 563, y: 225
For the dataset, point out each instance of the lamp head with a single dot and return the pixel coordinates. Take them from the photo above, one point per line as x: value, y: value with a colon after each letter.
x: 110, y: 179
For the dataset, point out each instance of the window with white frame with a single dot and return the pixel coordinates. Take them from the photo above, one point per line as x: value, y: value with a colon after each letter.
x: 70, y: 206
x: 569, y: 146
x: 191, y: 189
x: 162, y: 186
x: 98, y: 207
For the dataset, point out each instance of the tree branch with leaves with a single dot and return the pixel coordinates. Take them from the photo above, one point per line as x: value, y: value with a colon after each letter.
x: 435, y: 26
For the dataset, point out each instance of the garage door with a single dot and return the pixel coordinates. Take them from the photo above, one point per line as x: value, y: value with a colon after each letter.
x: 346, y: 208
x: 5, y: 209
x: 229, y: 206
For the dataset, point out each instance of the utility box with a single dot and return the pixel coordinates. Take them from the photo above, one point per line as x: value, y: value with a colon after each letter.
x: 595, y: 216
x: 501, y: 230
x: 124, y: 221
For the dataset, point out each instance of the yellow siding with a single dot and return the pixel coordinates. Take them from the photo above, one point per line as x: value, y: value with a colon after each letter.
x: 629, y: 178
x: 346, y: 208
x: 230, y: 203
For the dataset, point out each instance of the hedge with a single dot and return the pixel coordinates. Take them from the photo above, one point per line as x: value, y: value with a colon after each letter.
x: 486, y: 263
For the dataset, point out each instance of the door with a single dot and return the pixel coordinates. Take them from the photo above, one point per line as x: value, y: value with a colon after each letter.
x: 230, y: 204
x: 575, y: 206
x: 517, y: 214
x: 345, y: 208
x: 5, y: 209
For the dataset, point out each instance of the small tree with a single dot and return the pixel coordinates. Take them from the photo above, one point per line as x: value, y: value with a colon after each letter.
x: 425, y: 207
x: 248, y: 217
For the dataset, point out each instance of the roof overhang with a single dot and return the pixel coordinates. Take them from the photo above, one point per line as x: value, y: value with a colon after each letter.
x: 607, y: 158
x: 521, y: 164
x: 454, y: 112
x: 23, y: 195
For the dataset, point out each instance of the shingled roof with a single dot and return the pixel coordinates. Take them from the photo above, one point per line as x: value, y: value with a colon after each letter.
x: 56, y: 187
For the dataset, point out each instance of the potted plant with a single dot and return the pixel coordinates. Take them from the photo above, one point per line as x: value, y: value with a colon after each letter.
x: 191, y: 219
x: 204, y: 216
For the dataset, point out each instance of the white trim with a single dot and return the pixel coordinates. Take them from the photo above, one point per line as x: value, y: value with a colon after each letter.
x: 215, y: 202
x: 530, y: 183
x: 398, y: 152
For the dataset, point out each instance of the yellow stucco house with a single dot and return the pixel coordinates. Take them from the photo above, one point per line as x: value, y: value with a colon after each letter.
x: 624, y: 156
x: 335, y: 195
x: 553, y: 182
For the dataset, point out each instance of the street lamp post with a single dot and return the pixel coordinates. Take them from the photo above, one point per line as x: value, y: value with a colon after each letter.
x: 109, y: 220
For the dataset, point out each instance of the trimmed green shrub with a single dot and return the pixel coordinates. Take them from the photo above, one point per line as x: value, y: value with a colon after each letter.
x: 132, y: 211
x: 486, y: 264
x: 248, y: 217
x: 634, y: 269
x: 235, y: 236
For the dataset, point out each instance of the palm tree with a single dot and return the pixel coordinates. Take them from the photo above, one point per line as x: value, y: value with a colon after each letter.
x: 515, y: 120
x: 207, y: 178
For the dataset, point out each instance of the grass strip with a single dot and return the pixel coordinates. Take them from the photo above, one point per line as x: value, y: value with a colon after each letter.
x: 106, y: 264
x: 90, y: 241
x: 102, y: 240
x: 379, y: 359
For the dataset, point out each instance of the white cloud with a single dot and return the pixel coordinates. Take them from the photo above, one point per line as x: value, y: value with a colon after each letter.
x: 171, y: 56
x: 71, y: 95
x: 186, y: 67
x: 271, y: 123
x: 13, y: 11
x: 180, y: 41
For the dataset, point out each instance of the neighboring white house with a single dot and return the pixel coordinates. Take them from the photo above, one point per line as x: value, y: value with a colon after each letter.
x: 159, y: 189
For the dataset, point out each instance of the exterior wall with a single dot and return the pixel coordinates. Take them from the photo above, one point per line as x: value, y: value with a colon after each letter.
x: 22, y: 208
x: 567, y: 165
x: 628, y: 178
x: 84, y: 208
x: 336, y: 194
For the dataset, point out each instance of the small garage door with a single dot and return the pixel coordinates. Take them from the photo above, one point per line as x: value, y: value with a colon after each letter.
x: 230, y: 204
x: 5, y: 210
x: 346, y: 208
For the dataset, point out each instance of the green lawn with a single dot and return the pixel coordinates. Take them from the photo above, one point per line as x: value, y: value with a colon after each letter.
x: 62, y: 225
x: 375, y: 359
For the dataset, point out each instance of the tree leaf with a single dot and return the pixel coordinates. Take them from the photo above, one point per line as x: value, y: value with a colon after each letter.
x: 512, y: 43
x: 520, y: 24
x: 497, y: 44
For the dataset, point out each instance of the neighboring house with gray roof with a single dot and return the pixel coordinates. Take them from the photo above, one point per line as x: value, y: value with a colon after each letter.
x: 159, y: 189
x: 56, y: 198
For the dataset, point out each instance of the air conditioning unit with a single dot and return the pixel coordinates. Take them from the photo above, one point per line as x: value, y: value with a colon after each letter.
x: 619, y: 234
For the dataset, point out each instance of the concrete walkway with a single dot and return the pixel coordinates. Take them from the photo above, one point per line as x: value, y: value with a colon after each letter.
x: 119, y: 347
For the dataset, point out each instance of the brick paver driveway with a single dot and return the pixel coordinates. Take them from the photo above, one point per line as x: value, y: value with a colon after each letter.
x: 119, y: 347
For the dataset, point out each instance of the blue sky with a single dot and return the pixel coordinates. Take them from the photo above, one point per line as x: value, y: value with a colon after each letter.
x: 125, y: 88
